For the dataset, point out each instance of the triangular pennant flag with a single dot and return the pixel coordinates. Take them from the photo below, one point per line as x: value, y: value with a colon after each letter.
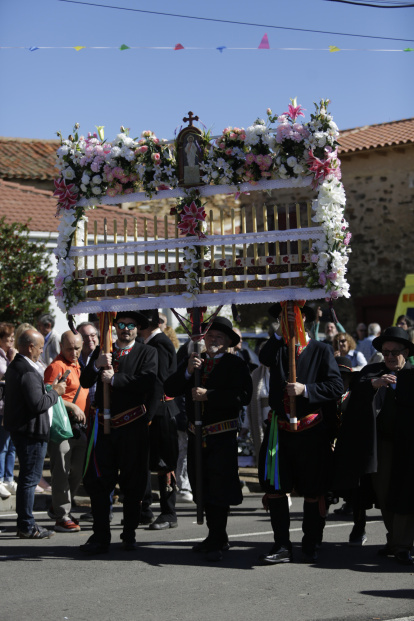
x: 333, y: 48
x: 78, y: 48
x: 409, y: 49
x: 124, y: 47
x: 179, y: 47
x: 264, y: 43
x: 221, y: 48
x: 33, y: 48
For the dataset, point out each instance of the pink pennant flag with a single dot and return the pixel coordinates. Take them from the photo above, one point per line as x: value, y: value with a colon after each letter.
x: 179, y: 47
x: 264, y: 43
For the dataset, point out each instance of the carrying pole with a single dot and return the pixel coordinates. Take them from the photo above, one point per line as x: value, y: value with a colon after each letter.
x: 198, y: 424
x: 292, y: 368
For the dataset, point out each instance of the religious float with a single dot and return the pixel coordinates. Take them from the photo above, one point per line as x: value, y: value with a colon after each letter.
x: 288, y: 255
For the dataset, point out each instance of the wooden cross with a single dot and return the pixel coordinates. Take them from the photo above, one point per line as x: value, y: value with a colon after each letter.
x: 190, y: 119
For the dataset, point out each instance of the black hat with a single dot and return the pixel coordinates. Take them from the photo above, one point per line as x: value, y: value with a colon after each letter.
x: 276, y: 309
x: 140, y: 319
x: 152, y: 316
x: 344, y: 364
x: 222, y: 324
x: 396, y: 335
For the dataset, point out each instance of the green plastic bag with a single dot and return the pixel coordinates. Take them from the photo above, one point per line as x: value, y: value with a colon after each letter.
x: 61, y: 428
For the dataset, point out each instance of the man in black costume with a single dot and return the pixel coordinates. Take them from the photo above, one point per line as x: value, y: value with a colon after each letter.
x: 377, y: 439
x: 298, y: 459
x: 121, y: 456
x: 225, y: 387
x: 162, y: 411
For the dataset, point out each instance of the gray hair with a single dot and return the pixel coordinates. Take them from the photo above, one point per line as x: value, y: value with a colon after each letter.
x: 45, y: 320
x: 374, y: 328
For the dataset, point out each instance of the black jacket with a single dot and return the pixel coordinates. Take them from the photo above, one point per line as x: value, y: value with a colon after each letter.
x: 229, y: 387
x: 315, y: 367
x: 133, y: 383
x: 26, y: 402
x: 167, y: 365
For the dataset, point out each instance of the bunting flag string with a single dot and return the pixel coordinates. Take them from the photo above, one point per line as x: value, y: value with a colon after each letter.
x: 222, y: 48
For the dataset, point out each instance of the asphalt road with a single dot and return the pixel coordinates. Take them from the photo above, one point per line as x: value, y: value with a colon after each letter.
x: 48, y: 580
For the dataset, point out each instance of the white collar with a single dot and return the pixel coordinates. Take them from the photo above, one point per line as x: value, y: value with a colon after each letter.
x: 157, y: 331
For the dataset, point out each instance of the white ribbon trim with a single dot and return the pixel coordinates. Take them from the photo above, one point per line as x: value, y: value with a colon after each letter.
x: 206, y: 190
x: 239, y: 296
x: 313, y: 233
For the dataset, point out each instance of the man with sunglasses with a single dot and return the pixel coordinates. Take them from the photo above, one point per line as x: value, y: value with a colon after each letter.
x: 379, y: 435
x: 122, y: 456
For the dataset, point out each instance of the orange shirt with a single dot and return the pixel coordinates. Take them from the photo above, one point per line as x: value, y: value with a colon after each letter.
x: 60, y: 365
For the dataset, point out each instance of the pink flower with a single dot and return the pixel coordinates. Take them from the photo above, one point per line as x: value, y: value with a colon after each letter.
x: 128, y: 191
x: 347, y: 238
x: 143, y: 149
x: 322, y: 279
x: 332, y: 276
x: 111, y: 192
x: 194, y: 212
x: 228, y: 151
x: 294, y: 111
x: 155, y: 158
x: 222, y: 145
x: 250, y: 158
x: 188, y: 225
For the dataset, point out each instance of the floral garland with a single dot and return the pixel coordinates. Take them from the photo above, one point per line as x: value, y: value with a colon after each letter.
x: 331, y: 255
x: 91, y: 167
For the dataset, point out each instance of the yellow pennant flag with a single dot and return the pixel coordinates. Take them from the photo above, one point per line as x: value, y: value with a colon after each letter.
x: 78, y: 48
x: 333, y: 48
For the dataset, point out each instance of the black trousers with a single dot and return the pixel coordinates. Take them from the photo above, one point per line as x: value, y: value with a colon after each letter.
x: 120, y: 457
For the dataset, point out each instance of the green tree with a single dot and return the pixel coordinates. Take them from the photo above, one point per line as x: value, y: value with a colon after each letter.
x: 25, y: 281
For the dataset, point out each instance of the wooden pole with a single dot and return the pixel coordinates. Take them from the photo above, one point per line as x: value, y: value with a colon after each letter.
x: 106, y: 387
x: 198, y: 425
x: 292, y: 369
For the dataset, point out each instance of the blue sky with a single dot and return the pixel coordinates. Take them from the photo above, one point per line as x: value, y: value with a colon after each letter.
x: 47, y: 90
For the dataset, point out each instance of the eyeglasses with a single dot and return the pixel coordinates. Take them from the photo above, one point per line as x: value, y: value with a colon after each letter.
x: 343, y: 341
x: 89, y: 336
x: 129, y: 326
x: 392, y: 352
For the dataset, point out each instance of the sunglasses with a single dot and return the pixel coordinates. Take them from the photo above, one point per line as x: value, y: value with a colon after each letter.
x: 129, y: 326
x: 392, y: 352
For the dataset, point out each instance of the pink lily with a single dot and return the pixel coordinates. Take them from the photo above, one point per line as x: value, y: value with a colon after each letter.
x: 196, y: 212
x: 294, y: 110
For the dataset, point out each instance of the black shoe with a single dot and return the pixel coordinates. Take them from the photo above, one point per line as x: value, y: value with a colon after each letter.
x: 37, y: 532
x: 86, y: 517
x: 356, y: 540
x: 275, y: 556
x: 129, y: 546
x: 386, y: 551
x: 404, y: 558
x: 214, y: 556
x: 309, y: 556
x: 162, y: 523
x: 346, y: 509
x: 91, y: 548
x: 203, y: 547
x: 146, y: 520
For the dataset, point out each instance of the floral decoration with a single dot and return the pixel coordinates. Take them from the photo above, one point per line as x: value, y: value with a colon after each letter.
x: 330, y: 256
x: 225, y: 161
x: 92, y: 167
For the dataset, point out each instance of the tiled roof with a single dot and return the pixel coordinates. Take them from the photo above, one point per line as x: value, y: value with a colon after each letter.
x: 375, y: 136
x: 27, y: 158
x: 21, y: 203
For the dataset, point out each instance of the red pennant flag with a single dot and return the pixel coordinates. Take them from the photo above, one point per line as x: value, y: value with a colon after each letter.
x: 179, y: 47
x: 264, y: 43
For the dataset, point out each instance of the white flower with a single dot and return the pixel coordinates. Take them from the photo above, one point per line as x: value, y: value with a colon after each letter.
x: 68, y: 173
x: 96, y: 190
x: 291, y: 161
x: 85, y: 179
x: 96, y: 179
x: 63, y: 150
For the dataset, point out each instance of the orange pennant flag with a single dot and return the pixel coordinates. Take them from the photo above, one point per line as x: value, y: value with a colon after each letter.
x: 179, y: 47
